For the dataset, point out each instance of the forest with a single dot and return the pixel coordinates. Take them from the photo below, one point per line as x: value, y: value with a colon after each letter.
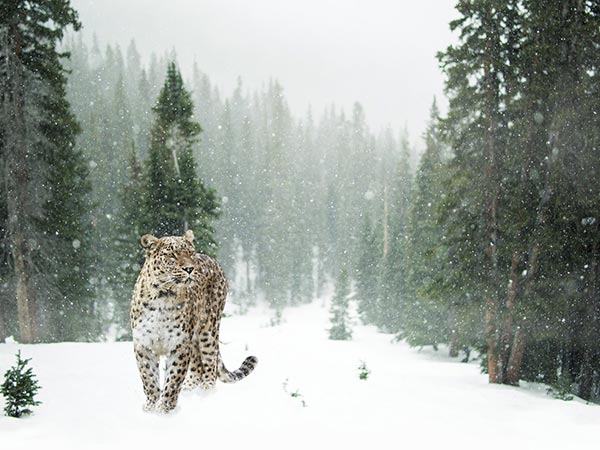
x: 488, y: 246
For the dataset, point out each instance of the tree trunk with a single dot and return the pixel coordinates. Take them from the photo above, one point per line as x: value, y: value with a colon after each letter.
x: 174, y: 138
x: 3, y: 320
x: 17, y: 177
x: 508, y: 316
x: 248, y: 281
x: 491, y: 194
x: 587, y: 377
x: 520, y: 338
x: 513, y: 371
x: 453, y: 350
x: 25, y: 304
x: 591, y: 332
x: 492, y: 342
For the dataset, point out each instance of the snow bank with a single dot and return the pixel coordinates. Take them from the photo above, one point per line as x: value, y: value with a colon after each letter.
x: 92, y: 397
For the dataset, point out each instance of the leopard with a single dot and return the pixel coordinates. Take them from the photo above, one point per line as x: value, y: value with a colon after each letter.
x: 176, y: 312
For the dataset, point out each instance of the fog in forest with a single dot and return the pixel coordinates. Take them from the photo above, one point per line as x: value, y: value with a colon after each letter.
x: 426, y: 168
x: 380, y: 53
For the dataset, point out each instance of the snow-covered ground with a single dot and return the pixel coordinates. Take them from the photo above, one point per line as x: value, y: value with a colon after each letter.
x: 92, y: 397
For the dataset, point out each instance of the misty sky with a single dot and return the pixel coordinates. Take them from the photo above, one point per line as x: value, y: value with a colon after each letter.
x: 378, y: 52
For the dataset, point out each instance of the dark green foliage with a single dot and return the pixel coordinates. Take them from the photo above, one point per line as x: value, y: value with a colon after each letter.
x: 425, y: 318
x: 562, y: 389
x: 504, y: 241
x: 382, y: 261
x: 45, y: 196
x: 368, y: 274
x: 67, y: 223
x: 363, y: 371
x: 126, y: 248
x: 115, y: 123
x: 162, y: 195
x: 340, y: 319
x: 294, y: 394
x: 174, y: 198
x: 395, y: 263
x: 72, y: 311
x: 19, y: 389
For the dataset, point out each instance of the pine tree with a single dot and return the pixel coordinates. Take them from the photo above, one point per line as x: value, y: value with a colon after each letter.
x: 478, y: 131
x: 276, y: 264
x: 226, y: 172
x: 129, y: 254
x: 71, y: 313
x: 340, y: 320
x: 19, y: 389
x: 175, y: 199
x: 44, y: 177
x: 520, y: 203
x: 395, y: 264
x: 426, y: 314
x: 368, y: 274
x: 558, y: 166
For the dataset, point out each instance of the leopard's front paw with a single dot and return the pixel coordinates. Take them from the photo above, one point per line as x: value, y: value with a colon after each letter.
x: 165, y: 407
x: 190, y: 384
x: 149, y: 406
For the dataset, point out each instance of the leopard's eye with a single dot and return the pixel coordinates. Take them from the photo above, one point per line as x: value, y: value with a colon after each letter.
x: 171, y: 257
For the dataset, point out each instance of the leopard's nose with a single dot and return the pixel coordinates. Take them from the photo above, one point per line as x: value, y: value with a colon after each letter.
x: 189, y: 269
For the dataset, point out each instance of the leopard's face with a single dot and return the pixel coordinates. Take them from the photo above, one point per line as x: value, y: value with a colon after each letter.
x: 169, y: 260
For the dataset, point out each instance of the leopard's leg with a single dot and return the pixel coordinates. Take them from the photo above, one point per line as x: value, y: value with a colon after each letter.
x: 209, y: 341
x: 177, y: 363
x: 148, y: 364
x: 192, y: 379
x: 209, y: 337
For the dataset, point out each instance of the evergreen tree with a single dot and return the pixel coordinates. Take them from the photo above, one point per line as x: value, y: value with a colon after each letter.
x: 558, y: 111
x: 126, y: 246
x: 44, y: 177
x: 175, y: 199
x: 518, y: 200
x: 274, y: 244
x: 368, y: 274
x: 426, y: 314
x: 479, y: 132
x: 304, y: 218
x: 340, y: 321
x: 19, y: 389
x: 395, y: 263
x: 71, y: 311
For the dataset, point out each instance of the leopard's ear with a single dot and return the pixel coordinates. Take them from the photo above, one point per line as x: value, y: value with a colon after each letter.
x: 189, y: 236
x: 149, y: 242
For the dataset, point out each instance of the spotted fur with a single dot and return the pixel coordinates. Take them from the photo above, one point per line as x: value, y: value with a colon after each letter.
x: 176, y: 312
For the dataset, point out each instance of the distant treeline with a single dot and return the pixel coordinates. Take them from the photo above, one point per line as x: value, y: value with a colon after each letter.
x: 292, y: 192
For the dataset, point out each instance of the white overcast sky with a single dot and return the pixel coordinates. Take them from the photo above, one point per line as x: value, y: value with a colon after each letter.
x: 378, y: 52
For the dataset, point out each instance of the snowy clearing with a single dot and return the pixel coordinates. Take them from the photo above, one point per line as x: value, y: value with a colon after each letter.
x: 92, y: 397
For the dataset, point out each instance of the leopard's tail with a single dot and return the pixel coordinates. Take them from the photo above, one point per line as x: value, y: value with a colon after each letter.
x: 231, y: 377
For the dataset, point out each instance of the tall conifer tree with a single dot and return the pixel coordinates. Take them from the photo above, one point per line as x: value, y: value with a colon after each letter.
x: 368, y: 273
x: 44, y: 177
x: 340, y: 319
x: 394, y: 264
x: 175, y: 198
